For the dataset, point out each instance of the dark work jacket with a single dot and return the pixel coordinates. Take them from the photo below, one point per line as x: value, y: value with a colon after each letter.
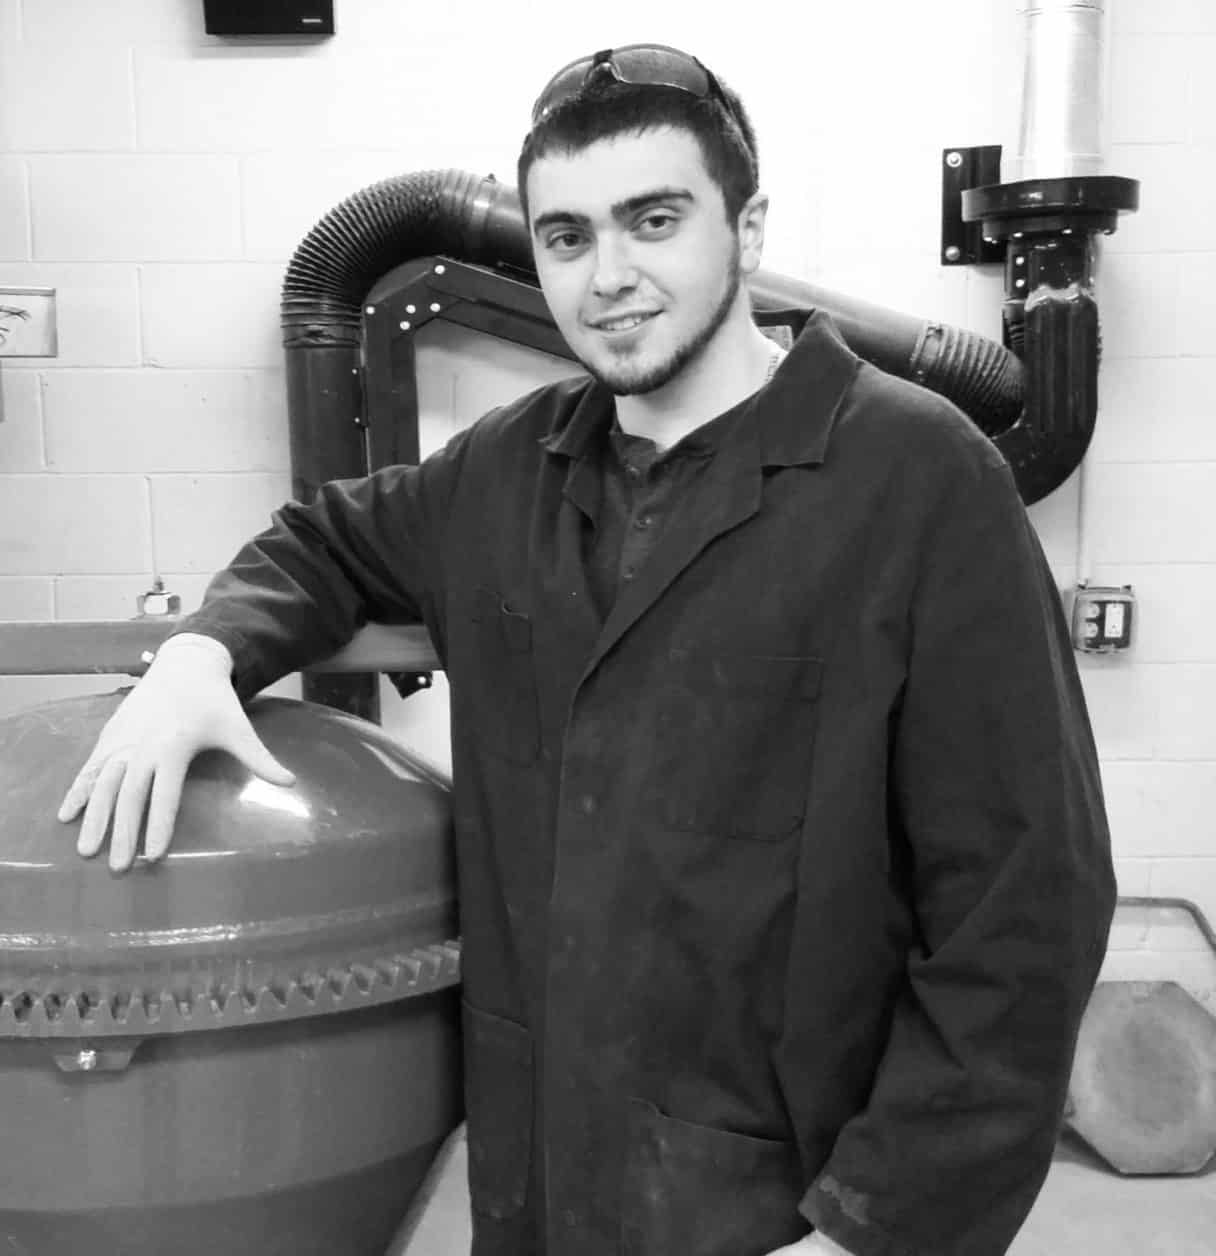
x: 783, y: 889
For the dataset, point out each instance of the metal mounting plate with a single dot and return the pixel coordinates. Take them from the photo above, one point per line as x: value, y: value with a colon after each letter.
x: 963, y: 242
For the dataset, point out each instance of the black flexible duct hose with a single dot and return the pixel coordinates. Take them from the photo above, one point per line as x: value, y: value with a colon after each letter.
x: 1042, y: 427
x: 983, y: 379
x: 460, y: 215
x: 478, y: 220
x: 379, y: 227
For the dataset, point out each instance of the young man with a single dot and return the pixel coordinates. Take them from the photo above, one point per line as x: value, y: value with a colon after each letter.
x: 783, y: 867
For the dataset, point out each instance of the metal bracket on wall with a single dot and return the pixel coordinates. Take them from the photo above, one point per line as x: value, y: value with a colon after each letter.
x: 406, y: 300
x: 963, y: 243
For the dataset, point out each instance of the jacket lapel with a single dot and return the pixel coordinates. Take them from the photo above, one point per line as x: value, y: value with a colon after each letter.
x: 727, y: 495
x: 565, y: 612
x: 788, y: 424
x: 570, y: 493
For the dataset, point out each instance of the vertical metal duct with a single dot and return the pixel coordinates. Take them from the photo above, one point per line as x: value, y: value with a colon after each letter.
x: 1064, y: 76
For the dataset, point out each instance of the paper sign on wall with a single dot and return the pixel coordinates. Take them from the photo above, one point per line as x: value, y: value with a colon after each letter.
x: 27, y: 323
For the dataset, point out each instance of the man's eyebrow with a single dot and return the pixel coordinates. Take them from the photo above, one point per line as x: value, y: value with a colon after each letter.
x: 627, y: 208
x: 559, y: 218
x: 620, y: 211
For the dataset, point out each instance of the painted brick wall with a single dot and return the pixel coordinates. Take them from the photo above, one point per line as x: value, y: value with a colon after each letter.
x: 160, y: 180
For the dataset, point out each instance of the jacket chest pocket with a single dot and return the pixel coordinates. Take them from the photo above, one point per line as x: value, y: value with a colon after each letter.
x: 735, y: 743
x: 497, y: 684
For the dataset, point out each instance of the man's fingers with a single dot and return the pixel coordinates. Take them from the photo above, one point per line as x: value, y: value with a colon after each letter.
x: 254, y: 755
x: 129, y: 813
x: 162, y: 810
x: 79, y: 790
x: 101, y: 805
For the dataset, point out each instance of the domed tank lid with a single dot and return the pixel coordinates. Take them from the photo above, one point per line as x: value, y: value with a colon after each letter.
x: 271, y: 903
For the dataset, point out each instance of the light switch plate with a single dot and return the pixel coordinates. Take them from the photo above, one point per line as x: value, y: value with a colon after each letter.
x: 27, y: 323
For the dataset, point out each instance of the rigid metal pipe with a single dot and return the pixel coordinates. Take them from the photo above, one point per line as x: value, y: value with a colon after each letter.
x: 1178, y: 904
x: 1062, y: 130
x: 118, y: 647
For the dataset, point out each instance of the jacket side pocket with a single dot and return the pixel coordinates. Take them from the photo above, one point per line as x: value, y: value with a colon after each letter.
x: 498, y: 1098
x: 693, y: 1188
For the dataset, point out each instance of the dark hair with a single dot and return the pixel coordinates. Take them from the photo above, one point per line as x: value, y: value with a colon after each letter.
x: 606, y: 108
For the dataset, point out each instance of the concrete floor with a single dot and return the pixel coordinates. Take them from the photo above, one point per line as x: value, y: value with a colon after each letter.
x: 1085, y: 1209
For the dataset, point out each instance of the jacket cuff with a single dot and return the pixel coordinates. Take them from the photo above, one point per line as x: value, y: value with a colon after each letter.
x: 842, y: 1215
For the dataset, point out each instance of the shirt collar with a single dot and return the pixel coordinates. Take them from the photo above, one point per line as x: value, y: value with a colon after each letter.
x: 592, y: 414
x: 794, y: 413
x: 701, y: 442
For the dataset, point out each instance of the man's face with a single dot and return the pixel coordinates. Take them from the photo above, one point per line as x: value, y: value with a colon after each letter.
x: 635, y: 256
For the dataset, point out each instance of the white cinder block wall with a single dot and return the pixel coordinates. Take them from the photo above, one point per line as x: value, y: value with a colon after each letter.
x: 161, y: 179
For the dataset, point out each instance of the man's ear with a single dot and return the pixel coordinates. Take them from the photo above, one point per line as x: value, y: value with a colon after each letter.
x: 751, y: 231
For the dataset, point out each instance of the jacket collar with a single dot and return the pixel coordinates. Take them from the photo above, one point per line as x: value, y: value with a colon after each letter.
x: 793, y: 416
x: 797, y: 412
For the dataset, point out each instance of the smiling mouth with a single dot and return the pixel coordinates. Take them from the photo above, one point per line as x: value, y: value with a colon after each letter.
x: 627, y: 323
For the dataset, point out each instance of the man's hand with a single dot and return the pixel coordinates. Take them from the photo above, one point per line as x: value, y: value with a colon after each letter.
x: 183, y: 705
x: 813, y: 1245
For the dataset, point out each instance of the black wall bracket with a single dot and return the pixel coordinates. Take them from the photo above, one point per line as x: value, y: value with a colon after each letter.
x: 404, y: 301
x: 963, y: 242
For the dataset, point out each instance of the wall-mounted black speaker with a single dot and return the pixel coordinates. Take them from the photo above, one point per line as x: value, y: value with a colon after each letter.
x: 269, y: 17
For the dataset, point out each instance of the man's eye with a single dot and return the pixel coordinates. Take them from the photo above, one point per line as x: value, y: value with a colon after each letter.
x: 656, y: 224
x: 565, y: 241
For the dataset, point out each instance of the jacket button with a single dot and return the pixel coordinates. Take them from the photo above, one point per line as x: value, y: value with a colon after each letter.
x: 643, y: 521
x: 588, y: 804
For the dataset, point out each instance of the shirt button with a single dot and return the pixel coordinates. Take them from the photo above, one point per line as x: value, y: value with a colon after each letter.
x: 588, y: 804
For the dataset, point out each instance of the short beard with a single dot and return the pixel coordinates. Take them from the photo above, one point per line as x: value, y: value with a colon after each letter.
x: 658, y: 376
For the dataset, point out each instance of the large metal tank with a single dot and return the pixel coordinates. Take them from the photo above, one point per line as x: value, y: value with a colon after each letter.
x: 251, y: 1047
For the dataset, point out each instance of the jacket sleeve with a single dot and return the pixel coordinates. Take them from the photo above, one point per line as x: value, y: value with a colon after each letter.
x: 363, y: 550
x: 995, y: 796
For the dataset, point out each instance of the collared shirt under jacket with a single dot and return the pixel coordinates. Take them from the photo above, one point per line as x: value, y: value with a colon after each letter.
x: 784, y: 885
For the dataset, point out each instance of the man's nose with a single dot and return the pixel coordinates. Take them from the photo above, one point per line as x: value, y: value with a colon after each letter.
x: 614, y: 268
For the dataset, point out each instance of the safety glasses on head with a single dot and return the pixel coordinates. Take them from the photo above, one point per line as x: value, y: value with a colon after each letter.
x: 649, y: 65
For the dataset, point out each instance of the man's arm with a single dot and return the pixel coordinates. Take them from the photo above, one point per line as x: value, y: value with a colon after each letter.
x: 995, y: 799
x: 363, y: 550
